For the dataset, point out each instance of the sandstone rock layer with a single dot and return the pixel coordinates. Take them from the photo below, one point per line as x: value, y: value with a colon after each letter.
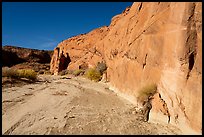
x: 158, y: 42
x: 25, y: 58
x: 13, y: 55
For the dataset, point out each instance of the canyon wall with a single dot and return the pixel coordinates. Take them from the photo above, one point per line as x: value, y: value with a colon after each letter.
x: 13, y: 55
x: 80, y: 50
x: 158, y: 42
x: 26, y: 58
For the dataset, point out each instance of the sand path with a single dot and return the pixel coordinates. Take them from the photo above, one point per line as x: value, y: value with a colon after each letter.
x: 57, y: 105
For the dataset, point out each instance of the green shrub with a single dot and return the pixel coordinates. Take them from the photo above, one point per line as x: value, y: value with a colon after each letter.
x: 93, y: 74
x: 78, y: 72
x: 147, y: 91
x: 27, y: 73
x: 101, y: 67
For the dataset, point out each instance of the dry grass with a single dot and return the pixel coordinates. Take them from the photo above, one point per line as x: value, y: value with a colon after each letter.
x: 21, y: 73
x: 8, y: 72
x: 63, y: 72
x: 93, y: 74
x: 78, y: 72
x: 27, y: 73
x: 147, y: 91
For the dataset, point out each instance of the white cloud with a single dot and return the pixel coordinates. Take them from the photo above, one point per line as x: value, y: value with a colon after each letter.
x: 48, y: 43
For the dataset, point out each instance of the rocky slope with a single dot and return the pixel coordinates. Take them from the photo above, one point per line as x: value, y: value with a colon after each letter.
x: 148, y: 43
x: 18, y: 57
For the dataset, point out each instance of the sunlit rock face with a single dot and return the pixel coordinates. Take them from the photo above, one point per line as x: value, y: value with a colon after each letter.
x: 158, y: 42
x: 80, y: 50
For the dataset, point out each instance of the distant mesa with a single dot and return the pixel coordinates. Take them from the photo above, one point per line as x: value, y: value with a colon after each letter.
x: 18, y: 57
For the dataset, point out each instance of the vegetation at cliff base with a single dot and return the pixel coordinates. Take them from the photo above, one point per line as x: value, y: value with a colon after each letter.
x: 101, y: 67
x: 145, y: 92
x: 93, y: 74
x: 63, y: 72
x: 96, y: 73
x: 78, y: 72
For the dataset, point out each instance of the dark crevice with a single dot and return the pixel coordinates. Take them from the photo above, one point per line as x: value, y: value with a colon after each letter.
x: 64, y: 62
x: 191, y: 61
x: 191, y: 41
x: 57, y: 51
x: 140, y: 7
x: 144, y: 64
x: 165, y: 108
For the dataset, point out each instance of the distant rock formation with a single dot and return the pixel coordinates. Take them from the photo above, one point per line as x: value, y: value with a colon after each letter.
x: 19, y: 57
x: 151, y: 42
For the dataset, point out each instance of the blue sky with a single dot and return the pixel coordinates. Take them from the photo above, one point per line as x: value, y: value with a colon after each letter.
x: 42, y: 25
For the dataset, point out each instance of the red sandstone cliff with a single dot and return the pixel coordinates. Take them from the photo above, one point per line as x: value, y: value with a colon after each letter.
x: 79, y: 51
x: 148, y: 43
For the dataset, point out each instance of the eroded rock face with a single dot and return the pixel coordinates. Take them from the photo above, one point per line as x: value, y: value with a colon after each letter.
x: 150, y: 43
x: 81, y: 50
x: 13, y: 55
x: 25, y: 58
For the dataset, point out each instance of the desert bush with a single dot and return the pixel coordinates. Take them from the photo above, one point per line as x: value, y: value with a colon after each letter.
x: 93, y: 74
x: 8, y: 72
x: 78, y: 72
x: 21, y: 73
x: 63, y: 72
x: 147, y: 91
x: 101, y: 67
x: 27, y: 73
x: 70, y: 71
